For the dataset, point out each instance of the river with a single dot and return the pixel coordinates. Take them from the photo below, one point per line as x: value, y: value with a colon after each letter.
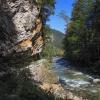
x: 78, y: 82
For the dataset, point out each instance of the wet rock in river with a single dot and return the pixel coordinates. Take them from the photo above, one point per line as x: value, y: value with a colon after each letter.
x: 96, y: 81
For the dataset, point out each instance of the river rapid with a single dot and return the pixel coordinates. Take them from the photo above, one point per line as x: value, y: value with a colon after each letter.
x: 76, y: 81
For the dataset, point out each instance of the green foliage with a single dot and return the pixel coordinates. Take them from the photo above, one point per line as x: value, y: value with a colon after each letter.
x: 46, y: 8
x: 54, y: 36
x: 57, y: 38
x: 49, y: 3
x: 82, y: 41
x: 53, y: 45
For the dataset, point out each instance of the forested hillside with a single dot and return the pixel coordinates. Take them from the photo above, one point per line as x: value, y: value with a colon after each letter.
x: 55, y: 36
x: 82, y: 41
x: 53, y: 42
x: 58, y: 38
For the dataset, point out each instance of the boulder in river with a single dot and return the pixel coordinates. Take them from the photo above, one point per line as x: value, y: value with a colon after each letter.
x: 96, y: 81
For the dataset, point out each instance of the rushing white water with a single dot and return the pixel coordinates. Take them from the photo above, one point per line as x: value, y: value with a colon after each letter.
x: 72, y: 79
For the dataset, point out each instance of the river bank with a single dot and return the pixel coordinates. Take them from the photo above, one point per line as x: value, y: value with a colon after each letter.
x: 85, y: 68
x: 46, y: 79
x: 22, y: 77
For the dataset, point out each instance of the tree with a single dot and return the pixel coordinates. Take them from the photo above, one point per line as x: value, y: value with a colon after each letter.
x: 46, y: 8
x: 82, y: 41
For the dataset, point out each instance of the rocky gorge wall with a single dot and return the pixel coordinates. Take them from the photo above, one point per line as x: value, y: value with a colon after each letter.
x: 17, y: 18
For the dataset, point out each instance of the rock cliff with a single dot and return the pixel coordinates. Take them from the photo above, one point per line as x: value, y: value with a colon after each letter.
x: 17, y: 19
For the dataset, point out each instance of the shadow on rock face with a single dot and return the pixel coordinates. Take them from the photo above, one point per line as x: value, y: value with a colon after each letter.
x: 8, y: 31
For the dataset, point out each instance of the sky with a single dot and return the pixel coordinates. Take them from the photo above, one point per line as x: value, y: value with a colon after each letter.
x: 55, y: 21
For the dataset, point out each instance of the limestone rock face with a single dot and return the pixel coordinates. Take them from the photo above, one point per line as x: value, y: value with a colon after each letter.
x: 16, y: 18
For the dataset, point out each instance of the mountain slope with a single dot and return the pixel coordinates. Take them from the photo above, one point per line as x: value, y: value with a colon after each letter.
x: 53, y: 45
x: 57, y: 38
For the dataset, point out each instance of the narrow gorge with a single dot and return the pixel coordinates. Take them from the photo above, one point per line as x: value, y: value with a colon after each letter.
x: 46, y: 54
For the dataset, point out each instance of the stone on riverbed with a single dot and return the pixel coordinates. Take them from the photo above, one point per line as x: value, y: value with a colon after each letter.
x: 96, y: 81
x: 40, y: 74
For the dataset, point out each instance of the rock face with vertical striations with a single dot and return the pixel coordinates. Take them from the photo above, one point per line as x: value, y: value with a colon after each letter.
x: 17, y: 17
